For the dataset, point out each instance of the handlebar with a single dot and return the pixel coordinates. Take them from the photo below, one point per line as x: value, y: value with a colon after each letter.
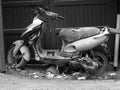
x: 49, y: 14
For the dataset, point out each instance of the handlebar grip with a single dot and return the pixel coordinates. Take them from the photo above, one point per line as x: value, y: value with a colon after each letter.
x: 61, y: 17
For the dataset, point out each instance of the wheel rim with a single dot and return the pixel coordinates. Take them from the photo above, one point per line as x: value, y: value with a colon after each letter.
x: 102, y: 63
x: 14, y: 61
x: 18, y: 58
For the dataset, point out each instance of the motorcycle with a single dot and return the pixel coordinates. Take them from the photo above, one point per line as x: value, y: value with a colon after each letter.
x: 78, y: 48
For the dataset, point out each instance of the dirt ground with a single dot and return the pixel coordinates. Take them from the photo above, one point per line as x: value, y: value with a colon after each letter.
x: 10, y: 82
x: 34, y: 79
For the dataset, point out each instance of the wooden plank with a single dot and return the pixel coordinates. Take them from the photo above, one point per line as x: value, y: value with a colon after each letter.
x: 49, y: 35
x: 52, y: 26
x: 82, y: 2
x: 17, y: 31
x: 20, y: 3
x: 2, y: 56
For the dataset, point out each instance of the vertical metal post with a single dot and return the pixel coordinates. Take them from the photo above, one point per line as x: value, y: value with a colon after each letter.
x: 2, y: 55
x: 116, y: 51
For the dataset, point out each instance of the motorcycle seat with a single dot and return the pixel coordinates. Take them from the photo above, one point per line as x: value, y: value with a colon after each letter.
x: 74, y: 34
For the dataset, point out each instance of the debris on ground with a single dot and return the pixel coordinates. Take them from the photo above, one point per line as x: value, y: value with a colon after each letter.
x: 81, y: 78
x: 112, y: 74
x: 51, y: 73
x: 36, y: 75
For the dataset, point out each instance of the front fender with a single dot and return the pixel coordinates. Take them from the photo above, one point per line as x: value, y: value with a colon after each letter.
x: 19, y: 45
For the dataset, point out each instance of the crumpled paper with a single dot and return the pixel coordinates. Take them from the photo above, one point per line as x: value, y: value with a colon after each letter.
x: 49, y: 75
x: 36, y: 75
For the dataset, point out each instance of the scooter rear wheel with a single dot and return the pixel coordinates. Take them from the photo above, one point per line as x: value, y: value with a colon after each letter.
x: 16, y: 61
x: 102, y: 62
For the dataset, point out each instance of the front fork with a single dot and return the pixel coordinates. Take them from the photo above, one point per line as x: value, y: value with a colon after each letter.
x: 36, y: 53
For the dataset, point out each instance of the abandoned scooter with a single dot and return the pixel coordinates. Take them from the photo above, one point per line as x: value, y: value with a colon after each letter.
x: 78, y: 45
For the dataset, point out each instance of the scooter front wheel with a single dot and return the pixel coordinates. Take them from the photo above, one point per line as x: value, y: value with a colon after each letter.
x: 17, y: 60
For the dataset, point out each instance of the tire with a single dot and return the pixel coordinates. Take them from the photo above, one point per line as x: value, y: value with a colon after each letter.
x: 102, y: 62
x: 16, y: 61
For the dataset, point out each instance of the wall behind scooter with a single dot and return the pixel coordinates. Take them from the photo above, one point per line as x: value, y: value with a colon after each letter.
x: 17, y: 14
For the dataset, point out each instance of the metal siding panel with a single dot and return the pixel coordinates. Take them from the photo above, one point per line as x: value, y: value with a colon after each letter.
x: 88, y: 15
x: 17, y: 17
x: 76, y: 14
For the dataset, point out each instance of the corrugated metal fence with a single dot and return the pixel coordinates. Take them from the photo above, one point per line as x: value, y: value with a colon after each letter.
x: 79, y: 13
